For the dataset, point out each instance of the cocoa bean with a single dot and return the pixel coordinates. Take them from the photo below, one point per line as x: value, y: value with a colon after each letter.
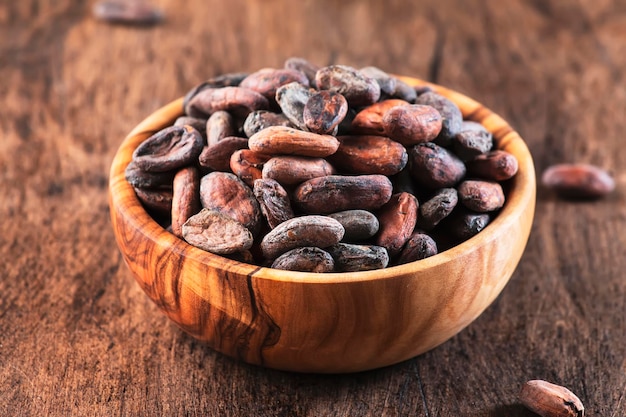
x: 185, y: 198
x: 469, y: 144
x: 236, y: 100
x: 496, y: 165
x: 435, y: 167
x: 139, y: 178
x: 550, y: 400
x: 358, y: 224
x: 169, y: 149
x: 437, y: 208
x: 266, y: 81
x: 307, y: 259
x: 158, y: 200
x: 292, y: 99
x: 418, y: 246
x: 290, y: 170
x: 397, y: 220
x: 306, y: 67
x: 463, y: 224
x: 369, y: 121
x: 353, y: 258
x: 578, y: 180
x: 248, y: 165
x: 404, y: 92
x: 358, y: 89
x: 324, y: 111
x: 452, y: 118
x: 217, y: 156
x: 481, y: 196
x: 274, y: 201
x: 224, y: 80
x: 369, y: 155
x: 386, y: 82
x: 412, y: 124
x: 280, y: 140
x: 260, y: 119
x: 219, y: 125
x: 216, y: 232
x: 197, y: 123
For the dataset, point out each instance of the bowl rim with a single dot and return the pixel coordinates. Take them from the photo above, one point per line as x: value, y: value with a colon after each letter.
x: 523, y: 188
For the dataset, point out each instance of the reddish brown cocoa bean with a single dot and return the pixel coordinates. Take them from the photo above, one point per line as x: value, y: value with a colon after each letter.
x: 397, y: 220
x: 550, y: 400
x: 280, y: 140
x: 437, y: 208
x: 169, y: 149
x: 324, y: 111
x: 217, y: 156
x: 236, y: 100
x: 358, y: 224
x: 369, y: 155
x: 224, y: 80
x: 260, y: 119
x: 412, y: 124
x: 216, y: 232
x: 481, y: 196
x: 495, y: 166
x: 578, y: 180
x: 185, y: 197
x: 353, y: 258
x: 369, y: 121
x: 290, y: 170
x: 229, y: 195
x: 358, y: 89
x: 418, y: 246
x: 274, y: 201
x: 452, y: 118
x: 318, y: 231
x: 158, y: 199
x: 267, y: 80
x: 306, y: 67
x: 307, y: 259
x: 334, y: 193
x: 219, y: 125
x: 248, y: 165
x: 435, y: 167
x: 292, y: 99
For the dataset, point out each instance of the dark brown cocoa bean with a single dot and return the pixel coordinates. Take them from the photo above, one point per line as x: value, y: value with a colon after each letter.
x: 307, y: 259
x: 292, y: 99
x: 260, y: 119
x: 197, y: 123
x: 422, y: 89
x: 185, y: 197
x: 469, y: 144
x: 369, y: 155
x: 304, y: 66
x: 127, y: 12
x: 217, y: 156
x: 464, y: 224
x: 220, y: 125
x: 496, y: 165
x: 481, y: 196
x: 419, y: 246
x: 235, y: 100
x: 358, y: 89
x: 290, y: 170
x: 318, y: 231
x: 369, y: 121
x: 386, y: 82
x: 225, y: 80
x: 353, y: 258
x: 404, y: 92
x: 437, y: 208
x: 274, y: 201
x: 435, y: 167
x: 412, y: 124
x: 216, y: 232
x: 334, y: 193
x: 266, y: 81
x: 229, y: 195
x: 358, y: 224
x: 248, y: 165
x: 280, y: 140
x: 169, y: 149
x: 324, y: 111
x: 578, y: 180
x: 137, y: 177
x: 158, y: 199
x: 452, y: 118
x: 397, y: 220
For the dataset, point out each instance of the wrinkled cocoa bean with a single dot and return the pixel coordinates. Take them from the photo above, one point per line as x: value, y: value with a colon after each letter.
x: 185, y: 198
x: 324, y: 111
x: 307, y: 68
x: 280, y: 140
x: 137, y: 177
x: 469, y: 144
x: 266, y: 81
x: 225, y: 80
x: 158, y: 199
x: 470, y: 125
x: 481, y: 196
x: 307, y: 259
x: 236, y: 100
x: 318, y: 231
x: 248, y: 165
x: 274, y: 201
x: 412, y: 124
x: 358, y: 224
x: 217, y: 156
x: 386, y: 82
x: 578, y: 180
x: 353, y: 258
x: 463, y: 224
x: 495, y: 166
x: 169, y: 149
x: 216, y: 232
x: 437, y: 208
x: 290, y: 170
x: 452, y: 118
x: 260, y: 119
x: 219, y: 125
x: 358, y: 89
x: 197, y: 123
x: 397, y: 220
x: 334, y: 193
x: 292, y: 99
x: 550, y: 400
x: 369, y: 155
x: 435, y: 167
x: 418, y: 246
x: 369, y: 121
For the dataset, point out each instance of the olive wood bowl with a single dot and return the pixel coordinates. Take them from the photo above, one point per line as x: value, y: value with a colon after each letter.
x: 324, y: 323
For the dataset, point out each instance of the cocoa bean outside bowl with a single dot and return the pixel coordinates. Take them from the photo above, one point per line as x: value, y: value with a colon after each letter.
x: 326, y: 323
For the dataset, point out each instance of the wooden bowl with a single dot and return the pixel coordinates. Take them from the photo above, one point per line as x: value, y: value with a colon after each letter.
x: 326, y: 323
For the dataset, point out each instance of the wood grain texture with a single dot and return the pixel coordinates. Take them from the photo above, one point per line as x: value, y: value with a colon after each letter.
x: 79, y: 337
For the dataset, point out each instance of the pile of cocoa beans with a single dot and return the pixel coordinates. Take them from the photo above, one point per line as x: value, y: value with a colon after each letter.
x: 329, y: 169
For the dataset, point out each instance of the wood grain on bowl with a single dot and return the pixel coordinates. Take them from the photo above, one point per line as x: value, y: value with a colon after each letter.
x: 336, y: 322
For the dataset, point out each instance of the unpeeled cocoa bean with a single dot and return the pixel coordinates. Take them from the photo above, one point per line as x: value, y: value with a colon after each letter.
x: 464, y: 224
x: 358, y: 224
x: 369, y: 121
x: 418, y: 246
x: 217, y: 156
x: 578, y: 180
x: 386, y: 82
x: 469, y: 144
x: 185, y: 198
x: 290, y: 170
x: 496, y: 165
x: 260, y: 119
x: 481, y: 196
x: 318, y: 231
x: 434, y: 166
x: 353, y: 258
x: 224, y: 80
x: 274, y: 201
x: 306, y: 67
x: 236, y: 100
x: 292, y: 98
x: 397, y: 220
x: 216, y: 232
x: 437, y: 208
x: 550, y: 400
x: 139, y: 178
x: 157, y: 199
x: 404, y: 92
x: 358, y: 89
x: 281, y: 140
x: 248, y: 165
x: 169, y: 149
x: 196, y: 122
x: 412, y: 124
x: 369, y: 155
x: 219, y: 125
x: 266, y: 81
x: 307, y: 259
x: 452, y: 118
x: 334, y: 193
x: 324, y: 111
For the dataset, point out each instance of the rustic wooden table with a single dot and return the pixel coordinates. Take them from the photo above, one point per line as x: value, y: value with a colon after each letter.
x: 78, y: 336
